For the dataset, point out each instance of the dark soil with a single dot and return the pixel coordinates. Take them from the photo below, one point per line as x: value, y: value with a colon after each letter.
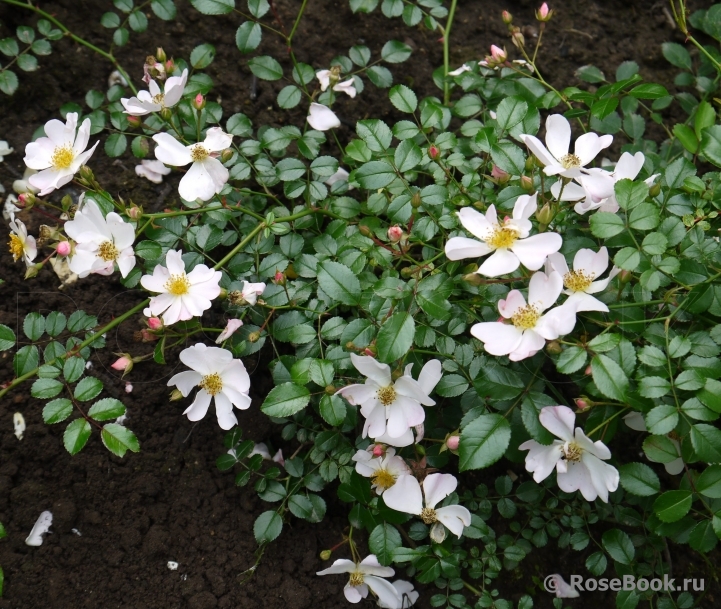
x: 169, y: 502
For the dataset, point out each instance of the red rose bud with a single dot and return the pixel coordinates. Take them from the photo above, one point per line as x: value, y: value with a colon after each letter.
x: 453, y: 442
x: 378, y: 450
x: 134, y: 121
x: 63, y: 248
x: 279, y: 278
x: 199, y: 102
x: 506, y: 17
x: 155, y: 323
x: 583, y: 403
x: 26, y: 199
x: 544, y: 13
x: 395, y: 233
x: 434, y: 152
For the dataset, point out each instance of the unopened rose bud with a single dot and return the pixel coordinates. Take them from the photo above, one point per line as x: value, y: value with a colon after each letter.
x: 506, y: 17
x: 554, y: 348
x: 453, y: 442
x: 226, y: 155
x: 395, y: 233
x: 624, y: 277
x: 583, y: 403
x: 63, y: 248
x: 134, y: 121
x: 169, y: 66
x: 545, y: 215
x: 86, y: 173
x: 654, y: 191
x: 588, y: 371
x: 254, y: 337
x: 544, y: 13
x: 27, y: 200
x: 155, y: 323
x: 434, y: 152
x: 124, y: 363
x: 325, y: 555
x: 279, y: 278
x: 365, y: 230
x: 498, y: 54
x: 350, y: 346
x: 527, y: 183
x: 330, y: 390
x: 199, y: 102
x: 517, y: 38
x: 470, y: 268
x: 370, y: 351
x: 500, y: 176
x: 473, y: 279
x: 160, y: 55
x: 166, y: 114
x: 416, y: 200
x: 175, y: 395
x: 135, y: 212
x: 378, y: 450
x: 147, y: 337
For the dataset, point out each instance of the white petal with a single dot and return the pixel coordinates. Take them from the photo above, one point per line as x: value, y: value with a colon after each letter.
x: 410, y: 388
x: 525, y: 207
x: 531, y: 343
x: 204, y: 180
x: 384, y: 590
x: 513, y: 301
x: 186, y: 381
x: 216, y: 139
x: 635, y: 421
x: 430, y: 376
x: 342, y: 565
x: 174, y: 87
x: 541, y: 459
x: 458, y: 248
x: 587, y: 148
x: 544, y: 290
x: 604, y: 477
x: 476, y: 223
x: 533, y: 251
x: 557, y: 263
x: 558, y: 135
x: 170, y: 151
x: 557, y: 584
x: 405, y: 496
x: 501, y: 262
x: 497, y: 338
x: 538, y: 149
x: 323, y: 77
x: 437, y: 487
x: 455, y: 518
x: 370, y: 566
x: 224, y: 412
x: 199, y: 408
x: 581, y: 301
x: 559, y: 420
x: 353, y: 594
x: 322, y: 118
x: 372, y: 368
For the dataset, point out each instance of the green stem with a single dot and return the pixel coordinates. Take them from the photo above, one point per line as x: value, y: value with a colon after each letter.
x: 446, y: 52
x: 297, y: 22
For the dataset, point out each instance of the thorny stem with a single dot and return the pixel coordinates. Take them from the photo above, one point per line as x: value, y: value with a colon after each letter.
x: 67, y: 32
x: 446, y: 52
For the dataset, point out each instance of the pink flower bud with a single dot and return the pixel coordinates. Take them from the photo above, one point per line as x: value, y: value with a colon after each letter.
x: 378, y: 450
x: 453, y: 442
x: 498, y: 54
x: 199, y: 102
x: 506, y: 17
x: 147, y: 337
x: 155, y: 323
x: 498, y: 174
x: 544, y: 13
x: 433, y: 152
x: 134, y: 121
x: 368, y: 352
x: 63, y: 248
x: 395, y: 233
x: 135, y: 213
x: 279, y: 278
x: 588, y: 371
x: 581, y: 404
x: 122, y: 363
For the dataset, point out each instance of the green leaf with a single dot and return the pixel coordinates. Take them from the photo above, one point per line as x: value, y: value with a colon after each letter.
x: 394, y: 51
x: 509, y: 157
x: 106, y: 409
x: 55, y: 323
x: 267, y: 527
x: 709, y: 482
x: 27, y: 63
x: 710, y: 395
x: 202, y: 56
x: 604, y: 106
x: 375, y: 133
x: 121, y: 36
x: 619, y: 546
x: 265, y: 68
x: 644, y: 217
x: 76, y: 436
x: 285, y: 400
x: 258, y: 8
x: 119, y: 440
x: 395, y: 337
x: 382, y: 541
x: 604, y: 342
x: 380, y: 76
x: 88, y: 388
x: 7, y: 338
x: 596, y: 563
x: 686, y: 136
x: 116, y: 144
x: 510, y: 112
x: 605, y: 224
x: 673, y: 505
x: 57, y: 410
x: 248, y: 36
x: 25, y: 360
x: 8, y: 82
x: 711, y: 144
x: 46, y: 388
x: 375, y: 175
x: 403, y: 98
x: 571, y: 360
x: 639, y: 479
x: 332, y: 409
x: 407, y: 156
x: 339, y: 282
x: 630, y: 194
x: 705, y: 118
x: 706, y: 442
x: 660, y: 449
x: 648, y: 91
x: 654, y: 387
x: 110, y: 20
x: 34, y: 326
x: 609, y: 377
x: 213, y: 7
x: 590, y: 74
x: 289, y: 97
x: 164, y: 9
x: 661, y: 419
x: 483, y: 441
x: 677, y: 55
x: 703, y: 538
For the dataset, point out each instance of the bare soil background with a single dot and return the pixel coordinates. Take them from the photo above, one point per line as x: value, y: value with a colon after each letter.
x: 169, y: 502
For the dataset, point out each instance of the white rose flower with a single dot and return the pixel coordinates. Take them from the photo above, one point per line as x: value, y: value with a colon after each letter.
x: 529, y: 328
x: 408, y: 595
x: 578, y: 461
x: 182, y: 296
x: 322, y: 118
x: 391, y: 408
x: 155, y: 99
x: 219, y: 376
x: 508, y: 241
x: 152, y: 170
x: 251, y: 291
x: 580, y: 282
x: 557, y: 158
x: 406, y: 496
x: 346, y: 86
x: 21, y: 244
x: 100, y: 242
x: 367, y: 574
x: 207, y: 176
x: 383, y: 470
x: 60, y: 155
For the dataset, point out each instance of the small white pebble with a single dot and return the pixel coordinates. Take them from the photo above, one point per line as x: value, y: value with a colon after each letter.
x: 78, y: 533
x: 42, y: 526
x: 172, y: 565
x: 19, y: 423
x: 88, y: 365
x: 128, y: 388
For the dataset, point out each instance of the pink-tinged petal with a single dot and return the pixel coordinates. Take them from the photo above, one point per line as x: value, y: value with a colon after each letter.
x: 137, y: 107
x: 559, y: 420
x: 492, y: 216
x: 500, y: 263
x: 359, y: 393
x: 538, y: 149
x: 598, y: 448
x: 375, y: 424
x: 511, y: 304
x: 354, y: 594
x: 174, y: 262
x: 199, y: 408
x: 405, y: 496
x: 544, y: 290
x: 397, y: 424
x: 558, y: 135
x: 497, y: 338
x: 541, y: 459
x: 216, y: 139
x: 174, y: 87
x: 410, y: 388
x: 347, y: 87
x: 224, y: 411
x: 525, y: 206
x: 342, y: 565
x: 571, y: 191
x: 48, y: 180
x: 459, y: 248
x: 590, y: 262
x: 323, y: 77
x: 455, y: 518
x: 373, y: 369
x: 196, y: 358
x: 531, y: 343
x: 557, y: 584
x: 476, y: 223
x: 604, y: 477
x: 437, y: 487
x: 582, y: 301
x: 230, y: 328
x: 198, y: 183
x: 412, y: 411
x: 186, y: 381
x: 556, y: 262
x: 322, y: 118
x: 155, y: 282
x: 170, y: 151
x: 370, y: 566
x: 430, y: 376
x: 533, y: 251
x: 405, y: 440
x: 587, y: 148
x: 576, y: 477
x: 557, y: 322
x: 235, y: 375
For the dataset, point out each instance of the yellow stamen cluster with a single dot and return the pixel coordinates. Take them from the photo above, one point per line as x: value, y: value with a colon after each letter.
x: 570, y: 161
x: 212, y: 383
x: 177, y: 285
x: 16, y: 247
x: 526, y: 317
x: 199, y: 153
x: 578, y: 281
x: 107, y: 251
x: 63, y: 157
x: 386, y: 395
x: 428, y: 515
x: 572, y: 452
x: 356, y: 579
x: 503, y: 237
x: 159, y: 99
x: 383, y: 479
